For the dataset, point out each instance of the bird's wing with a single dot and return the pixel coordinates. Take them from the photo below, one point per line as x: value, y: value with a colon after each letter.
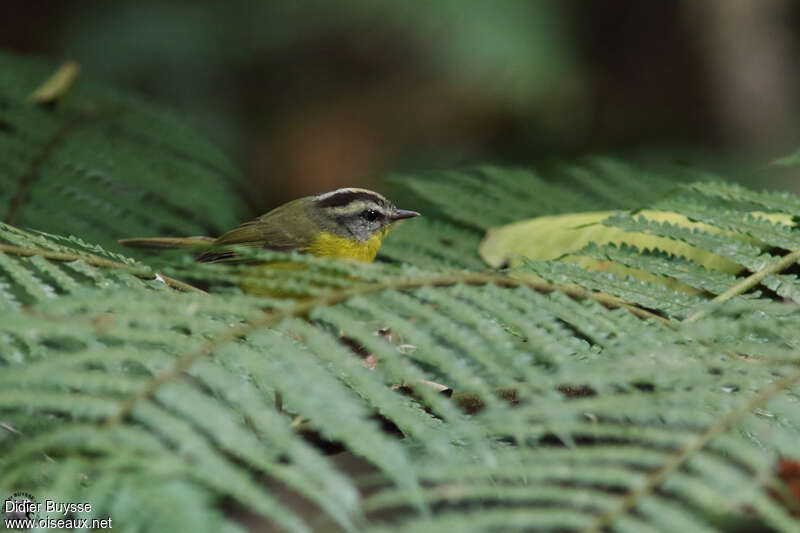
x: 282, y: 229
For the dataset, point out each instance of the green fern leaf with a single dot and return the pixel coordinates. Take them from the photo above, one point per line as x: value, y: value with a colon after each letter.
x: 736, y: 250
x: 663, y: 264
x: 757, y: 227
x: 649, y: 295
x: 89, y: 165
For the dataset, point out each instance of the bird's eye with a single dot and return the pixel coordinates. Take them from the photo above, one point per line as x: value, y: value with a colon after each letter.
x: 370, y: 215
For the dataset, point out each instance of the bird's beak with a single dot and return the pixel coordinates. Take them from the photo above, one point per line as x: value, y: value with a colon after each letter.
x: 400, y: 214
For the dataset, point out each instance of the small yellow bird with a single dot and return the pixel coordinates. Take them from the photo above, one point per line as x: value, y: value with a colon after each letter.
x: 348, y: 223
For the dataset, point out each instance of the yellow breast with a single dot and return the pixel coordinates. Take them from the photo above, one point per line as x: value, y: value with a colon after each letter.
x: 329, y: 245
x: 325, y: 245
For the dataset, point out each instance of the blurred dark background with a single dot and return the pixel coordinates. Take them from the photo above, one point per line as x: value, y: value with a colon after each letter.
x: 310, y: 95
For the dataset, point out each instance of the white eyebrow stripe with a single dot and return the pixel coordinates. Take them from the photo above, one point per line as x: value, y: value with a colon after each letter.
x: 345, y: 190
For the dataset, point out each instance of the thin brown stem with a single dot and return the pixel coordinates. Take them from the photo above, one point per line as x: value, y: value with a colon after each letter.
x: 750, y: 281
x: 95, y: 260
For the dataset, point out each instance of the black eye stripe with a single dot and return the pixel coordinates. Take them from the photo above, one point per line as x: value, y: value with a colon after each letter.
x: 371, y: 215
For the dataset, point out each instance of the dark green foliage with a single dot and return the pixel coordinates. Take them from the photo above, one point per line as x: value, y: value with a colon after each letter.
x: 104, y: 165
x: 460, y: 206
x: 561, y: 411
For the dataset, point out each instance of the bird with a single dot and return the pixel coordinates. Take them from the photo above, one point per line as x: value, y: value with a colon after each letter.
x: 346, y: 223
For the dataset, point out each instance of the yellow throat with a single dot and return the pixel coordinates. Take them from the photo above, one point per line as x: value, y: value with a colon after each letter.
x: 330, y: 245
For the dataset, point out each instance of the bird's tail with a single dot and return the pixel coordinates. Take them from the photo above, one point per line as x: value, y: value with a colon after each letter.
x: 168, y: 243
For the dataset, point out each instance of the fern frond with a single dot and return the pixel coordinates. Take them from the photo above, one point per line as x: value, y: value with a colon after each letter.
x: 663, y: 264
x: 773, y: 201
x: 743, y: 223
x: 87, y: 167
x: 732, y: 249
x: 645, y: 294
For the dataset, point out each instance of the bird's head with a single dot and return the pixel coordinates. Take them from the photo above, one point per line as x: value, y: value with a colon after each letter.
x: 358, y: 214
